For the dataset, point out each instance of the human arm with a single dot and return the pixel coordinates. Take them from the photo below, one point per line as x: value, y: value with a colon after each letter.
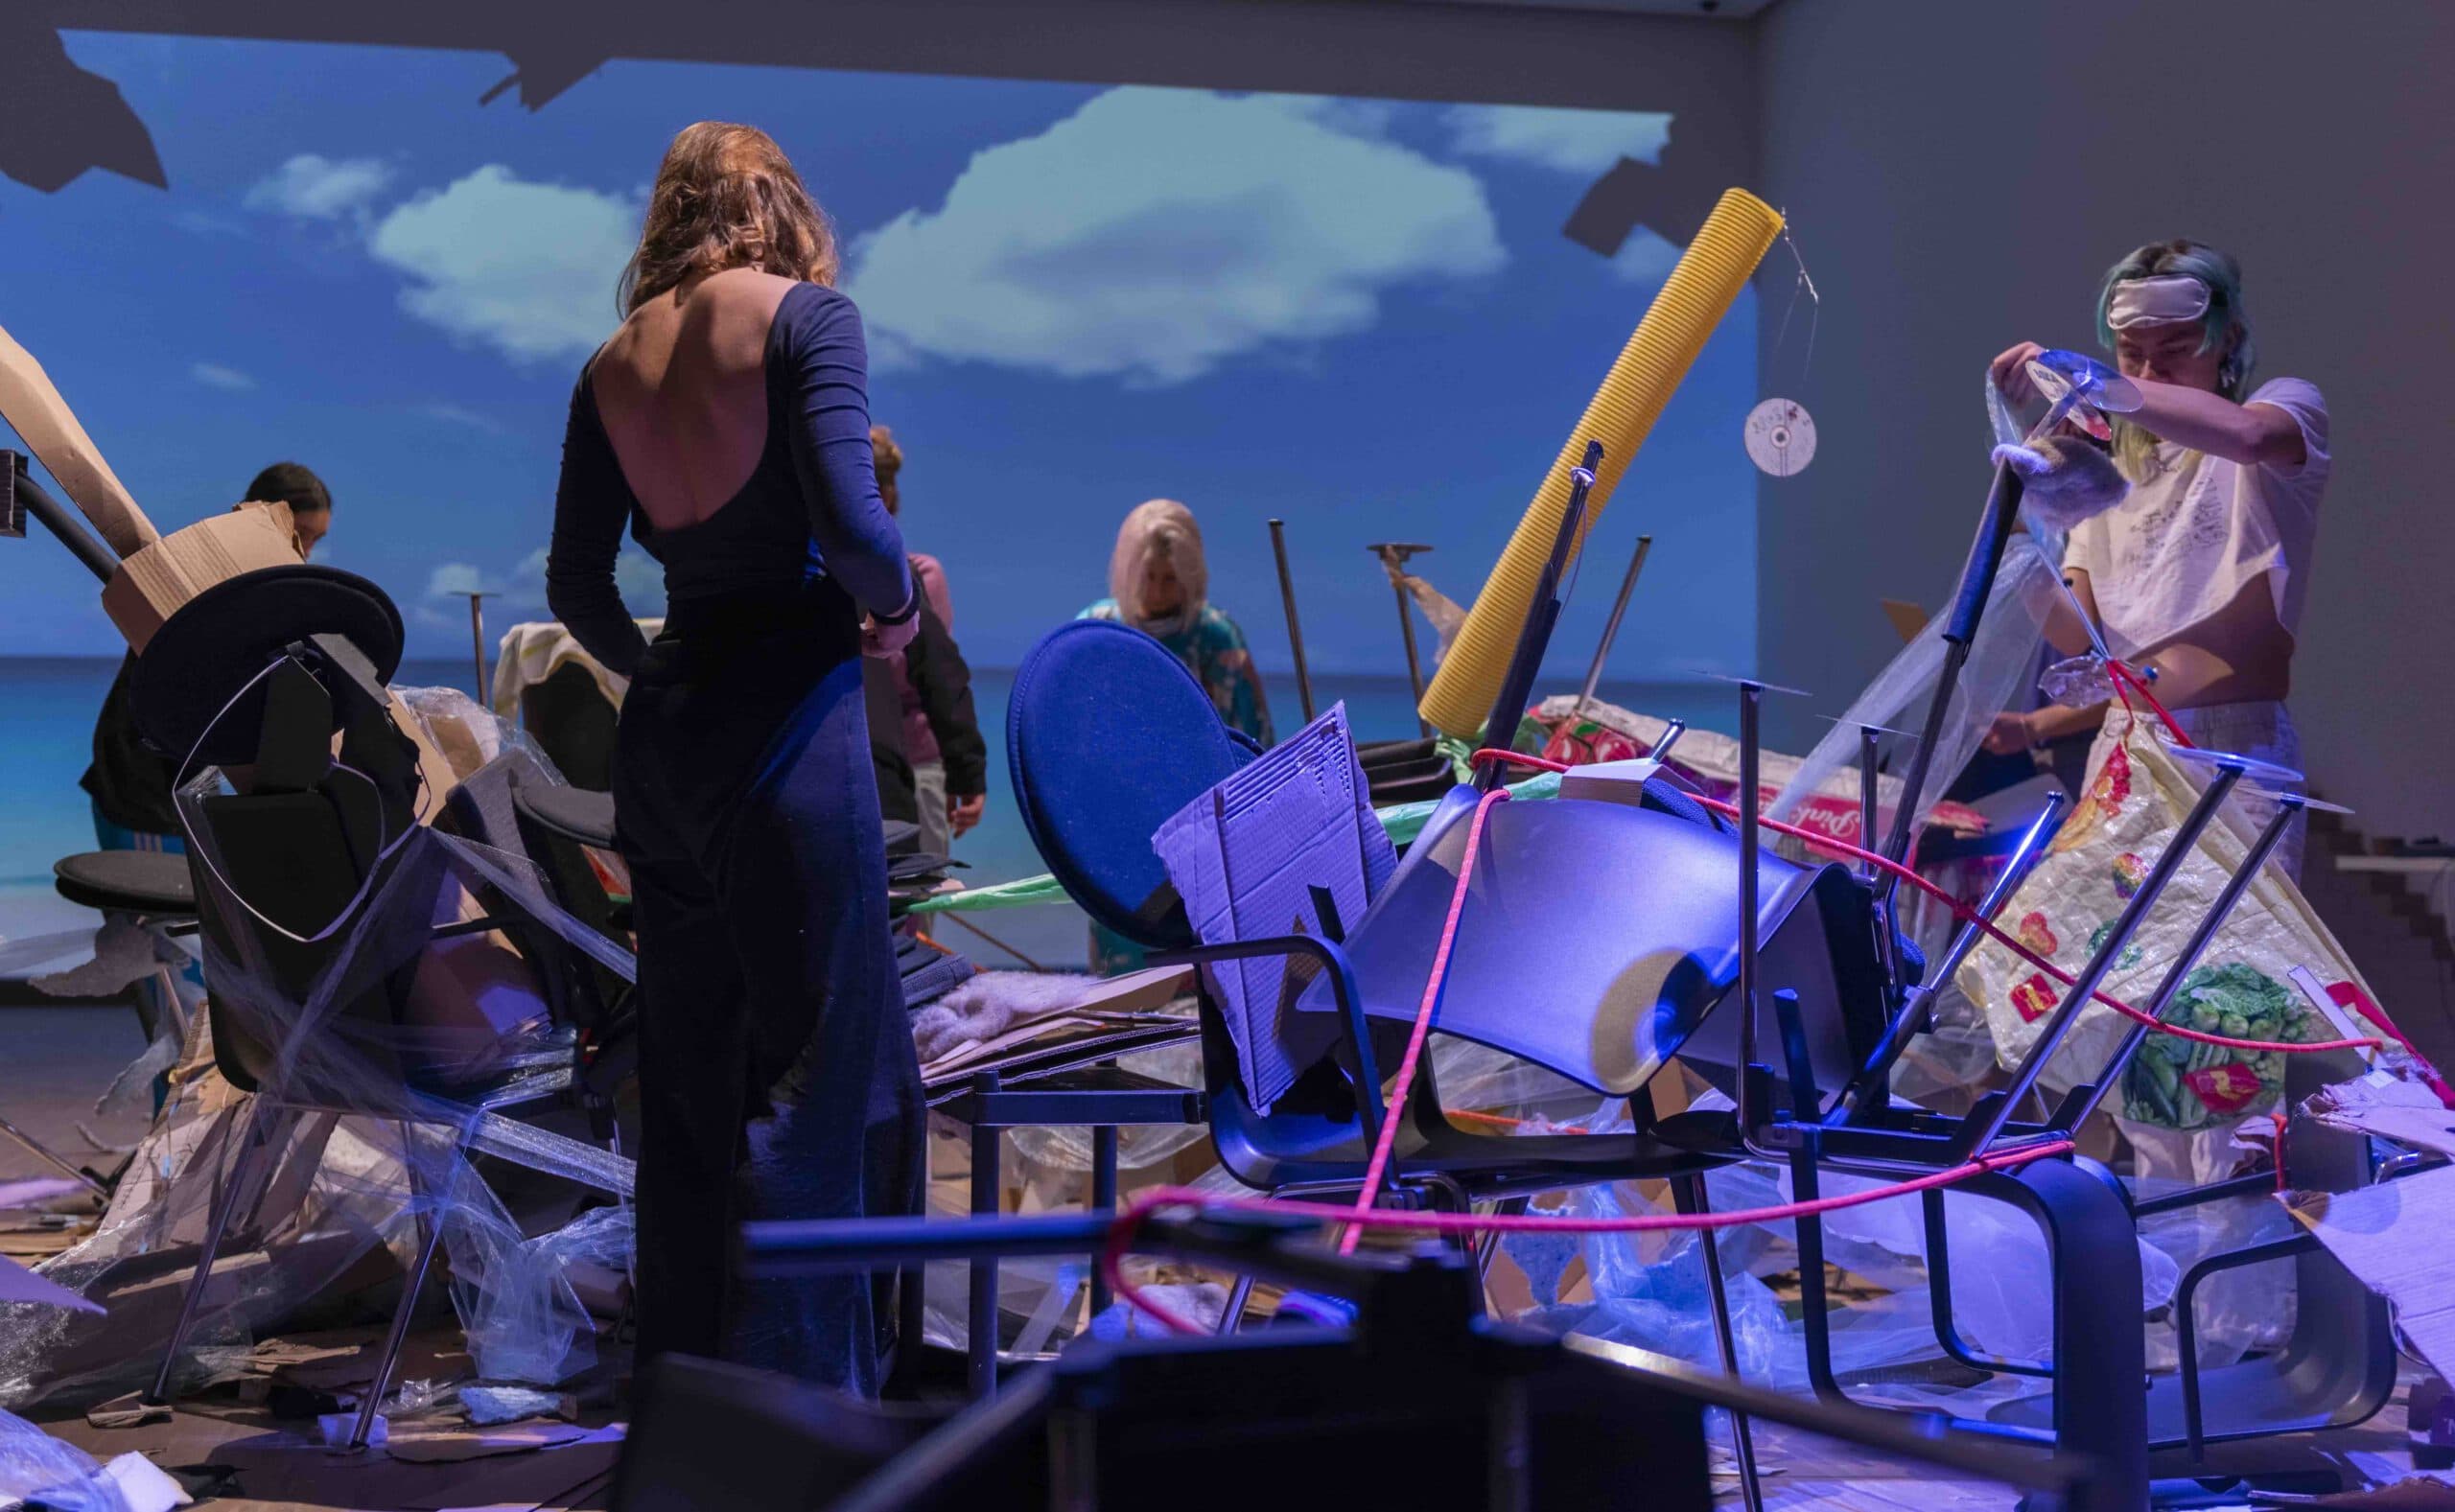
x: 592, y: 504
x: 2255, y: 435
x: 942, y: 680
x: 828, y: 417
x: 2016, y: 732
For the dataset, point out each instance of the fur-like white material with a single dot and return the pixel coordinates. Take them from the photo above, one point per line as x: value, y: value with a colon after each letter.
x: 2065, y: 480
x: 991, y: 1003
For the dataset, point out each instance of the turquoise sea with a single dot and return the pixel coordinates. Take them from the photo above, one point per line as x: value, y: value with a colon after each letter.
x: 47, y: 718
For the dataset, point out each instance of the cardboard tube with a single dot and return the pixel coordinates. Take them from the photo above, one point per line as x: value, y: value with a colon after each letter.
x: 35, y: 412
x: 1717, y: 264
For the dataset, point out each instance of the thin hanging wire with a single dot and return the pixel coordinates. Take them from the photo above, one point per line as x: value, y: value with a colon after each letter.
x: 1816, y: 307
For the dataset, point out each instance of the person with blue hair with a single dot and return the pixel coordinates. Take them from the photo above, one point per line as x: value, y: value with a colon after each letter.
x: 2202, y: 568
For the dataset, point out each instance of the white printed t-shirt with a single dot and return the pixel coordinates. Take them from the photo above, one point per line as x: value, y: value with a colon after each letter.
x: 2187, y: 539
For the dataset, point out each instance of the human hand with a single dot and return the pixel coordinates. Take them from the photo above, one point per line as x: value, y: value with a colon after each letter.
x: 885, y: 637
x: 2010, y: 372
x: 2011, y: 734
x: 963, y: 814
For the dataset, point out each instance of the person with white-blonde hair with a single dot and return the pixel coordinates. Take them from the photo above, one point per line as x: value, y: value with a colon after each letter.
x: 1159, y: 584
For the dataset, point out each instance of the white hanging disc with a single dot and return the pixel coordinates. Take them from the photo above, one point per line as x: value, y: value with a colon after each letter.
x: 1781, y: 436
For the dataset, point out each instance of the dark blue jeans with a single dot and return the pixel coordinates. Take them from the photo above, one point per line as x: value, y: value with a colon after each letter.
x: 777, y: 1074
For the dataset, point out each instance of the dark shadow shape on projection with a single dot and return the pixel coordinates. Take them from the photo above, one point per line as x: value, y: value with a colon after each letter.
x: 1671, y: 199
x: 57, y: 120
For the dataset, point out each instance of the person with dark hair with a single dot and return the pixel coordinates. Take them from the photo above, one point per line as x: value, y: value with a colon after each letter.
x: 726, y: 423
x: 943, y: 759
x: 130, y: 781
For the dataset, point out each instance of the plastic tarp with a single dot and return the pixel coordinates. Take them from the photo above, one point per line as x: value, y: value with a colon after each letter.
x: 397, y: 1076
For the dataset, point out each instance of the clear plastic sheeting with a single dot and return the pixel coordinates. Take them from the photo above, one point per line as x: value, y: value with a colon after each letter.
x: 361, y: 1051
x: 524, y: 1319
x: 39, y: 1469
x: 1991, y: 680
x: 2077, y: 682
x: 2235, y: 1311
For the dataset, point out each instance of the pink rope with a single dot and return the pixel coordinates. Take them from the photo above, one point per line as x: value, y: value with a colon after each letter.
x: 1130, y: 1221
x: 1964, y: 912
x: 1422, y: 1030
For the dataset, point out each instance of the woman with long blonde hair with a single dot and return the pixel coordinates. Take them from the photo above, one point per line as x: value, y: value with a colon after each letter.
x: 1159, y: 583
x: 726, y: 423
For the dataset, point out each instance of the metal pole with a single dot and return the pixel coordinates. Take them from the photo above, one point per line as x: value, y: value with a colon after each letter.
x: 1912, y: 1017
x: 478, y: 645
x: 1415, y: 663
x: 1995, y: 1110
x: 1295, y: 631
x: 1869, y: 739
x: 1395, y: 555
x: 2289, y: 808
x: 1751, y: 700
x: 1612, y: 626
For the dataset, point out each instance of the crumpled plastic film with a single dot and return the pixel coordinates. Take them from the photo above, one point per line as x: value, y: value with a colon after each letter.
x: 37, y: 1468
x: 1991, y: 681
x: 2236, y: 1311
x: 383, y: 1060
x: 469, y: 734
x: 2077, y: 682
x: 524, y: 1319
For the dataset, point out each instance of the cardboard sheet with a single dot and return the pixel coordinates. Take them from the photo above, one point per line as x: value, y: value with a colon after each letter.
x: 2389, y: 1107
x: 155, y: 579
x: 2393, y: 1237
x: 1245, y: 855
x: 35, y: 410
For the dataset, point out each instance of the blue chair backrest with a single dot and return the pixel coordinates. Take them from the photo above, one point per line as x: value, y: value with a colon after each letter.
x: 1106, y: 736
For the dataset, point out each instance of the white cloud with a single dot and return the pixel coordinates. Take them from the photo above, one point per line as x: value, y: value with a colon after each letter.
x: 638, y: 576
x: 462, y: 415
x: 320, y: 188
x: 213, y: 375
x: 1156, y: 233
x: 1646, y: 258
x: 641, y: 579
x: 525, y: 267
x: 1569, y: 141
x: 454, y: 578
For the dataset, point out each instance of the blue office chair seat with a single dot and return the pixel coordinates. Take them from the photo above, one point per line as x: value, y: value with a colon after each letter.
x: 1108, y: 734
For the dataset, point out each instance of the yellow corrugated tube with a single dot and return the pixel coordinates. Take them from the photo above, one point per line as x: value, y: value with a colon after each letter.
x: 1717, y: 264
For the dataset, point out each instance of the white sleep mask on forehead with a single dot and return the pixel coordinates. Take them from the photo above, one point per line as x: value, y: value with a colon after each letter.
x: 2156, y: 301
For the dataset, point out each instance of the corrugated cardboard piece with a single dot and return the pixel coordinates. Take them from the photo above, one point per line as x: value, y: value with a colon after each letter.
x: 2393, y: 1235
x: 35, y: 412
x: 1245, y: 856
x: 155, y: 580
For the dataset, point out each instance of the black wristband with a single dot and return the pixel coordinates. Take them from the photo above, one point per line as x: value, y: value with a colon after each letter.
x: 911, y: 607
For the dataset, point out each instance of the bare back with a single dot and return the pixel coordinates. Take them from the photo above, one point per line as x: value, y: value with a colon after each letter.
x: 682, y: 390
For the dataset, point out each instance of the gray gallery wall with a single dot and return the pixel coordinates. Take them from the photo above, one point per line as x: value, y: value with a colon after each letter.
x: 1960, y: 175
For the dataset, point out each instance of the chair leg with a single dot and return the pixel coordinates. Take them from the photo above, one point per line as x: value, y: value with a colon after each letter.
x: 1238, y: 1297
x: 1103, y: 1201
x: 1743, y: 1440
x: 980, y: 1347
x: 227, y: 1193
x: 429, y: 1239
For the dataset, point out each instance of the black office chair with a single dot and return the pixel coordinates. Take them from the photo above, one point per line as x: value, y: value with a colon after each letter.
x: 570, y: 719
x: 319, y: 897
